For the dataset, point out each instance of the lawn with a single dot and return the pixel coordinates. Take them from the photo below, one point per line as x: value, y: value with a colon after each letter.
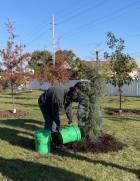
x: 20, y: 162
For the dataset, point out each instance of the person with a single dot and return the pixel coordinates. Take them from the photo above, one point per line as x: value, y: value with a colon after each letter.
x: 56, y: 99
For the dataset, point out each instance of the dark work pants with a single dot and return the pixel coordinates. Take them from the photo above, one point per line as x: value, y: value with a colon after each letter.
x: 48, y: 119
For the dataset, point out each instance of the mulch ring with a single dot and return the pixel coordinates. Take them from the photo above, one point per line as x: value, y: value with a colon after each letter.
x: 10, y: 114
x: 106, y: 143
x: 123, y: 113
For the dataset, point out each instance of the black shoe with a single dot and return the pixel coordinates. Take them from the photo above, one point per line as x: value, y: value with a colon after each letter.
x: 55, y: 138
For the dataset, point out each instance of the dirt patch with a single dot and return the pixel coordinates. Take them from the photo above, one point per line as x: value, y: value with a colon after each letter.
x: 106, y: 143
x: 123, y: 113
x: 10, y: 114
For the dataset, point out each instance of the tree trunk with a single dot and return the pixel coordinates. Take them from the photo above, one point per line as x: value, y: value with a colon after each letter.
x: 13, y: 99
x: 12, y: 92
x: 120, y: 100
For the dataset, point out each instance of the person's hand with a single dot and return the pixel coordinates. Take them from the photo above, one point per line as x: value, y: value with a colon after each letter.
x: 57, y: 128
x: 69, y: 122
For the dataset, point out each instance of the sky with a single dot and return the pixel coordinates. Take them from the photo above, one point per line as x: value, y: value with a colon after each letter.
x: 80, y: 25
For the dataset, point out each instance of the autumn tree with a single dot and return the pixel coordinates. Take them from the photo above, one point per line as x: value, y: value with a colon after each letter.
x: 62, y: 71
x: 14, y: 63
x: 45, y: 71
x: 121, y: 64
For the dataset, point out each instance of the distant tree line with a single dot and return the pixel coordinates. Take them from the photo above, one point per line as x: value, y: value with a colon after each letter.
x: 15, y: 64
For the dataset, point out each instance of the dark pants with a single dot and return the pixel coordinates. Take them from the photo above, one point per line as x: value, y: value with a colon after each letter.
x: 46, y: 115
x: 48, y: 119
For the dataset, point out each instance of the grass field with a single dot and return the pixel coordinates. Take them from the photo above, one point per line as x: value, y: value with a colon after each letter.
x: 19, y: 161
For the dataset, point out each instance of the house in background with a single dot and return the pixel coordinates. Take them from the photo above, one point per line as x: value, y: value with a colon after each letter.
x: 65, y: 65
x: 135, y: 74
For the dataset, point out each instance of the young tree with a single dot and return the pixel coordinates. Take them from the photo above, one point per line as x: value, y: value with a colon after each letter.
x: 14, y: 63
x: 121, y: 64
x: 90, y: 110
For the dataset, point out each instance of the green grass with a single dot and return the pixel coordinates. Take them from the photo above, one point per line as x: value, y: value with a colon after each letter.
x: 19, y: 161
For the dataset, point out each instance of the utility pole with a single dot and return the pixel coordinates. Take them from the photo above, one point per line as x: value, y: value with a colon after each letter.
x: 53, y: 41
x: 97, y: 52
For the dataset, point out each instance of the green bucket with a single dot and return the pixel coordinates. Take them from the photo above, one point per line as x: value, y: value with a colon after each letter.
x: 42, y: 141
x: 70, y: 134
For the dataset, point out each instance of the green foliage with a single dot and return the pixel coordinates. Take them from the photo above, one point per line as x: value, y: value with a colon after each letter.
x: 90, y: 112
x: 39, y: 57
x: 121, y: 67
x: 70, y: 57
x: 39, y: 60
x: 80, y: 70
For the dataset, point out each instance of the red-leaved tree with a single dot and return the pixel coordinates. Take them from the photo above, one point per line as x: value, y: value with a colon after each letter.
x: 14, y: 63
x: 60, y: 73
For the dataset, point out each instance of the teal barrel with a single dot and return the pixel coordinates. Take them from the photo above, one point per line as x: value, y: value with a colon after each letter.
x: 42, y: 141
x: 70, y: 134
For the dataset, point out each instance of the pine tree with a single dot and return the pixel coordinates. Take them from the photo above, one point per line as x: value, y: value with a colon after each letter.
x: 90, y: 111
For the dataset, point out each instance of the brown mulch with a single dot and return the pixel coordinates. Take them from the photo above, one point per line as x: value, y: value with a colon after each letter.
x: 106, y: 143
x: 10, y: 114
x: 123, y: 113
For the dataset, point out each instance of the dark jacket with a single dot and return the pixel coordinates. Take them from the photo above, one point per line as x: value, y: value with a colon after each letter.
x: 54, y: 101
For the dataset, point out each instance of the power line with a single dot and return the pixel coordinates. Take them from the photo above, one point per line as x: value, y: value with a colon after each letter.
x: 39, y: 31
x: 43, y: 32
x: 97, y: 20
x: 85, y: 10
x: 37, y: 37
x: 119, y: 11
x: 64, y: 11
